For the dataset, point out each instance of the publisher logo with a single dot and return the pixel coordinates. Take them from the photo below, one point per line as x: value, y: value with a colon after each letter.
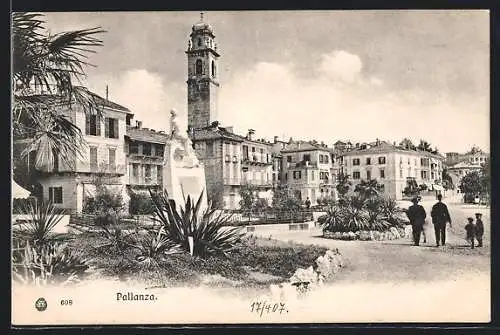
x: 41, y: 304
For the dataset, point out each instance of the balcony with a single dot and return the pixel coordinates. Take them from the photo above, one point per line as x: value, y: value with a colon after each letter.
x: 102, y: 168
x: 143, y: 181
x: 232, y: 181
x: 254, y: 161
x: 304, y: 164
x: 258, y: 183
x: 326, y: 182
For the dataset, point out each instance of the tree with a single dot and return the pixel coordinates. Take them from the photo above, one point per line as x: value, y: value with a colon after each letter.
x: 474, y: 150
x: 368, y: 188
x: 343, y: 184
x: 471, y: 183
x: 45, y: 68
x: 407, y: 144
x: 248, y: 198
x: 283, y: 201
x: 423, y: 145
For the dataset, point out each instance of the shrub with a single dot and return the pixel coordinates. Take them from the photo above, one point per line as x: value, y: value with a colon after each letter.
x: 152, y: 247
x: 356, y: 214
x: 104, y: 201
x: 210, y: 236
x: 48, y: 264
x: 140, y: 204
x: 42, y: 218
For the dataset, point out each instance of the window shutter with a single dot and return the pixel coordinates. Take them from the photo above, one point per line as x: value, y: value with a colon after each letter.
x: 97, y: 125
x: 58, y: 195
x: 106, y: 127
x: 51, y: 197
x: 115, y: 128
x: 87, y: 124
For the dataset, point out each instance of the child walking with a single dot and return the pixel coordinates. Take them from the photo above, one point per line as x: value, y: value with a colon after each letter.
x: 470, y: 228
x: 479, y: 230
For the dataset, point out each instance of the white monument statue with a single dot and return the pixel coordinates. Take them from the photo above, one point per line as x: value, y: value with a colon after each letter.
x: 183, y: 174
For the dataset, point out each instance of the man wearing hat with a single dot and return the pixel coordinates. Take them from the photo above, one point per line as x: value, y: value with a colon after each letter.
x: 479, y: 231
x: 440, y: 216
x: 416, y: 214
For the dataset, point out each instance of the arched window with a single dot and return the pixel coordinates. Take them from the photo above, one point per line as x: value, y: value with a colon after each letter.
x: 198, y: 69
x: 213, y: 69
x: 199, y: 42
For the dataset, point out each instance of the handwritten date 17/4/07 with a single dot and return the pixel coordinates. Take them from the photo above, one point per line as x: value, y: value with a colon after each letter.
x: 261, y: 307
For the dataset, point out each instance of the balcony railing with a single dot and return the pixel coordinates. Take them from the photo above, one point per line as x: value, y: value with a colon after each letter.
x: 93, y: 168
x: 256, y: 182
x: 137, y: 180
x: 232, y: 181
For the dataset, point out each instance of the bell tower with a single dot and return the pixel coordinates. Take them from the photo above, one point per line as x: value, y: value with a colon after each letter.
x: 202, y: 81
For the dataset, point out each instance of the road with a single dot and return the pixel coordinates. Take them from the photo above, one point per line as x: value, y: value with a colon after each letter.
x: 413, y: 279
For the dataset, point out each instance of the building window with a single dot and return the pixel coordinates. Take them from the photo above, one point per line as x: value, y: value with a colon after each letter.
x: 199, y: 42
x: 381, y: 160
x: 93, y: 158
x: 210, y: 149
x: 312, y: 175
x: 198, y: 67
x: 382, y: 173
x: 326, y: 159
x: 321, y: 158
x: 112, y: 159
x: 245, y: 152
x: 55, y: 157
x: 297, y: 174
x: 135, y: 170
x: 289, y: 159
x: 307, y: 158
x: 368, y: 175
x: 368, y: 161
x: 213, y: 69
x: 400, y: 173
x: 147, y: 172
x: 423, y: 174
x: 92, y: 125
x: 146, y: 149
x: 56, y: 195
x: 159, y: 149
x: 133, y: 148
x: 159, y: 174
x: 111, y: 128
x: 356, y: 175
x: 355, y: 161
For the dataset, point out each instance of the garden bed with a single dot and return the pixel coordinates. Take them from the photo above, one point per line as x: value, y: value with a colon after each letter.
x: 258, y: 262
x: 371, y: 235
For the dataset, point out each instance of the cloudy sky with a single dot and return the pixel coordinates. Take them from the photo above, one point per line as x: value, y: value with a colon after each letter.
x: 324, y: 75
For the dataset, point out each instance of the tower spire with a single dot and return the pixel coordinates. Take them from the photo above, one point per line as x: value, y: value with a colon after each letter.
x: 201, y: 16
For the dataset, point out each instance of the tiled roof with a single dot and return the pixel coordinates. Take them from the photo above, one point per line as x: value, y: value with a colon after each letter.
x: 108, y: 103
x: 464, y: 165
x: 384, y: 147
x: 146, y: 135
x: 304, y: 146
x: 215, y: 133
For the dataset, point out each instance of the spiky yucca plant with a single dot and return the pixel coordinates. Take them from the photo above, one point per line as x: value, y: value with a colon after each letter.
x: 48, y: 264
x: 42, y: 218
x: 209, y: 230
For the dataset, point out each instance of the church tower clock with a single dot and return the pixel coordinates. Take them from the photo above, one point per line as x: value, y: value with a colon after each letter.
x: 202, y: 81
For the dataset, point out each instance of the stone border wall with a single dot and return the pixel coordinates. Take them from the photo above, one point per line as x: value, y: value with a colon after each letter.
x: 371, y: 235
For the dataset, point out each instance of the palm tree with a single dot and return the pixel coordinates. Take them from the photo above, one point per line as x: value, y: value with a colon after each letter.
x: 343, y: 184
x: 407, y: 144
x: 368, y: 188
x: 45, y: 68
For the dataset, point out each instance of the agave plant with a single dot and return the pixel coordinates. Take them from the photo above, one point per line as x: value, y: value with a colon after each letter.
x: 208, y: 230
x: 48, y: 264
x: 355, y: 219
x: 153, y: 246
x: 332, y: 219
x: 391, y: 212
x: 374, y: 209
x: 42, y: 218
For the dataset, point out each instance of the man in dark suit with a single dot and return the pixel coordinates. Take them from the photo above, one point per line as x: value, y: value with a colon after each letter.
x: 416, y: 214
x: 440, y: 216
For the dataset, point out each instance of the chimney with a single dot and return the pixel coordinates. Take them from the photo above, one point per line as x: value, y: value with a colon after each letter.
x: 275, y: 139
x: 138, y: 124
x: 357, y: 145
x: 250, y: 134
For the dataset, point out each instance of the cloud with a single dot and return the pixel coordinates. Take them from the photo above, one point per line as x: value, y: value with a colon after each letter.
x: 146, y: 94
x: 341, y: 65
x: 274, y: 100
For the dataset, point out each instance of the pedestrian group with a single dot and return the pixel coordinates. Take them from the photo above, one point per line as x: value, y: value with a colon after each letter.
x: 440, y: 217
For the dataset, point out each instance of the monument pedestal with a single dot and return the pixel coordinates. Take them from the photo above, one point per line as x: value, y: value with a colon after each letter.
x: 183, y: 175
